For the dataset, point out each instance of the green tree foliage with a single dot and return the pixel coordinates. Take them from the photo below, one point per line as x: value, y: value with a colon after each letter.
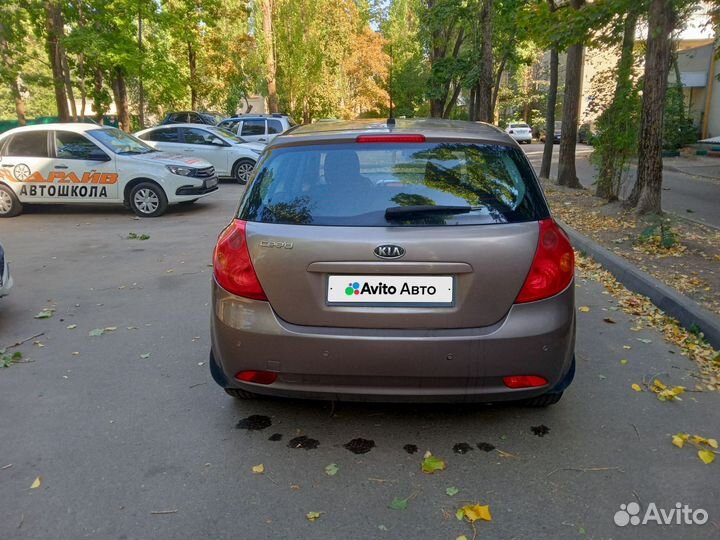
x: 618, y: 125
x: 678, y: 129
x: 409, y: 68
x: 319, y: 71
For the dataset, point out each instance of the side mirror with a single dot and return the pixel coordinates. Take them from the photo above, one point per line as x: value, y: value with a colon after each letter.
x: 217, y: 141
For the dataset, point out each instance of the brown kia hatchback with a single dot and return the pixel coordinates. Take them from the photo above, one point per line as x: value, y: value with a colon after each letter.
x: 407, y: 260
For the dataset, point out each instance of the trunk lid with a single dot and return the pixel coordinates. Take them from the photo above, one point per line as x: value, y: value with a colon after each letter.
x: 489, y: 264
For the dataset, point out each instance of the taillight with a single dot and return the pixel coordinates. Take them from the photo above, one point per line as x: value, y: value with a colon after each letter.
x: 390, y: 138
x: 524, y: 381
x: 553, y: 266
x: 257, y: 377
x: 233, y: 268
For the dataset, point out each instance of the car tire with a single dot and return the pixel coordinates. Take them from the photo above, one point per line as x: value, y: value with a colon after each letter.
x: 240, y: 394
x: 545, y: 400
x: 10, y: 205
x: 242, y: 170
x: 147, y: 199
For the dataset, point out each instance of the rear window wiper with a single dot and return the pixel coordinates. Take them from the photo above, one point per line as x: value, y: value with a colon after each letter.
x: 395, y: 212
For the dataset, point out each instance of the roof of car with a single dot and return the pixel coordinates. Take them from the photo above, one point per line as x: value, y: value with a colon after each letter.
x: 250, y: 116
x: 432, y: 128
x: 79, y: 127
x: 178, y: 125
x: 189, y: 112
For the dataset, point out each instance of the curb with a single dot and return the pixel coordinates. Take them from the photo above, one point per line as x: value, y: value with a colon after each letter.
x: 685, y: 310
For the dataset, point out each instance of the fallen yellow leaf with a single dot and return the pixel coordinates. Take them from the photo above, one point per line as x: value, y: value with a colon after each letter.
x: 462, y: 537
x: 258, y: 469
x: 713, y: 443
x: 706, y: 456
x: 474, y: 512
x: 312, y: 516
x: 678, y: 441
x: 37, y: 483
x: 584, y: 309
x: 636, y: 387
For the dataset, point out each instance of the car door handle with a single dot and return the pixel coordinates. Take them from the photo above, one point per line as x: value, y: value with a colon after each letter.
x: 262, y: 140
x: 8, y: 164
x: 61, y: 166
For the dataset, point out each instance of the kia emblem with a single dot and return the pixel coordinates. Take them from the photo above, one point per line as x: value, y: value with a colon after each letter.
x: 389, y: 251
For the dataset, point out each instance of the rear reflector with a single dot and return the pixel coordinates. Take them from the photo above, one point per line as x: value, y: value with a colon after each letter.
x: 524, y: 381
x: 233, y: 268
x: 553, y: 266
x: 391, y: 138
x: 258, y: 377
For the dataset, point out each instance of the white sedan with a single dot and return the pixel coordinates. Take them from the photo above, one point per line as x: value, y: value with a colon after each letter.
x: 231, y: 156
x: 522, y: 133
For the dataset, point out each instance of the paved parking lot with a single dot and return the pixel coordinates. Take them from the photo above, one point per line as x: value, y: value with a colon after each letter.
x: 132, y: 439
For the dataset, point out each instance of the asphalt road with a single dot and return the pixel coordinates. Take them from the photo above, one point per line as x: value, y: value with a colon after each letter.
x: 130, y: 447
x: 688, y: 196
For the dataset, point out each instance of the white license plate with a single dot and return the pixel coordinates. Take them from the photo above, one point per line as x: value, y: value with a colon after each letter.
x: 391, y: 290
x: 211, y: 182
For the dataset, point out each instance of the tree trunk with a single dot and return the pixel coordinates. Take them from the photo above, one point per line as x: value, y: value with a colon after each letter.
x: 10, y: 75
x: 550, y: 115
x: 496, y: 87
x: 121, y: 99
x: 485, y: 83
x: 192, y: 62
x: 607, y: 185
x: 68, y: 83
x: 19, y: 102
x: 437, y: 107
x: 270, y: 67
x: 54, y: 28
x: 453, y: 99
x: 81, y: 86
x: 567, y: 175
x: 646, y: 196
x: 141, y: 87
x: 97, y: 103
x: 471, y: 104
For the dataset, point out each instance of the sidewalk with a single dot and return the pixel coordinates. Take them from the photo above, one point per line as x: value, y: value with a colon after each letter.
x: 682, y: 255
x: 692, y: 165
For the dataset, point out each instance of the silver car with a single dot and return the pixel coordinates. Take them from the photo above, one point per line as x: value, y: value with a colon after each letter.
x: 407, y: 260
x: 6, y: 281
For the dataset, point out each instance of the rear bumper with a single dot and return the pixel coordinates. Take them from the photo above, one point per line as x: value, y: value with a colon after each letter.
x: 522, y: 136
x: 465, y: 364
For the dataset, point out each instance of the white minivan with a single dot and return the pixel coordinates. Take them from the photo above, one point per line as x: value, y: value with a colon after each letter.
x: 91, y: 164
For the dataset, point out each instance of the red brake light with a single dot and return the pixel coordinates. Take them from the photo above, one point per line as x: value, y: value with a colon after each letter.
x: 258, y: 377
x: 553, y: 266
x: 390, y: 138
x: 524, y: 381
x: 233, y: 268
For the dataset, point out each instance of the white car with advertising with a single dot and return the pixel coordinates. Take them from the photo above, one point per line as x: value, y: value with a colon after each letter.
x: 90, y: 164
x: 232, y: 156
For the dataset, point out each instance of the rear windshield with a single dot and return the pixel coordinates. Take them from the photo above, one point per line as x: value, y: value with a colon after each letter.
x: 394, y: 185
